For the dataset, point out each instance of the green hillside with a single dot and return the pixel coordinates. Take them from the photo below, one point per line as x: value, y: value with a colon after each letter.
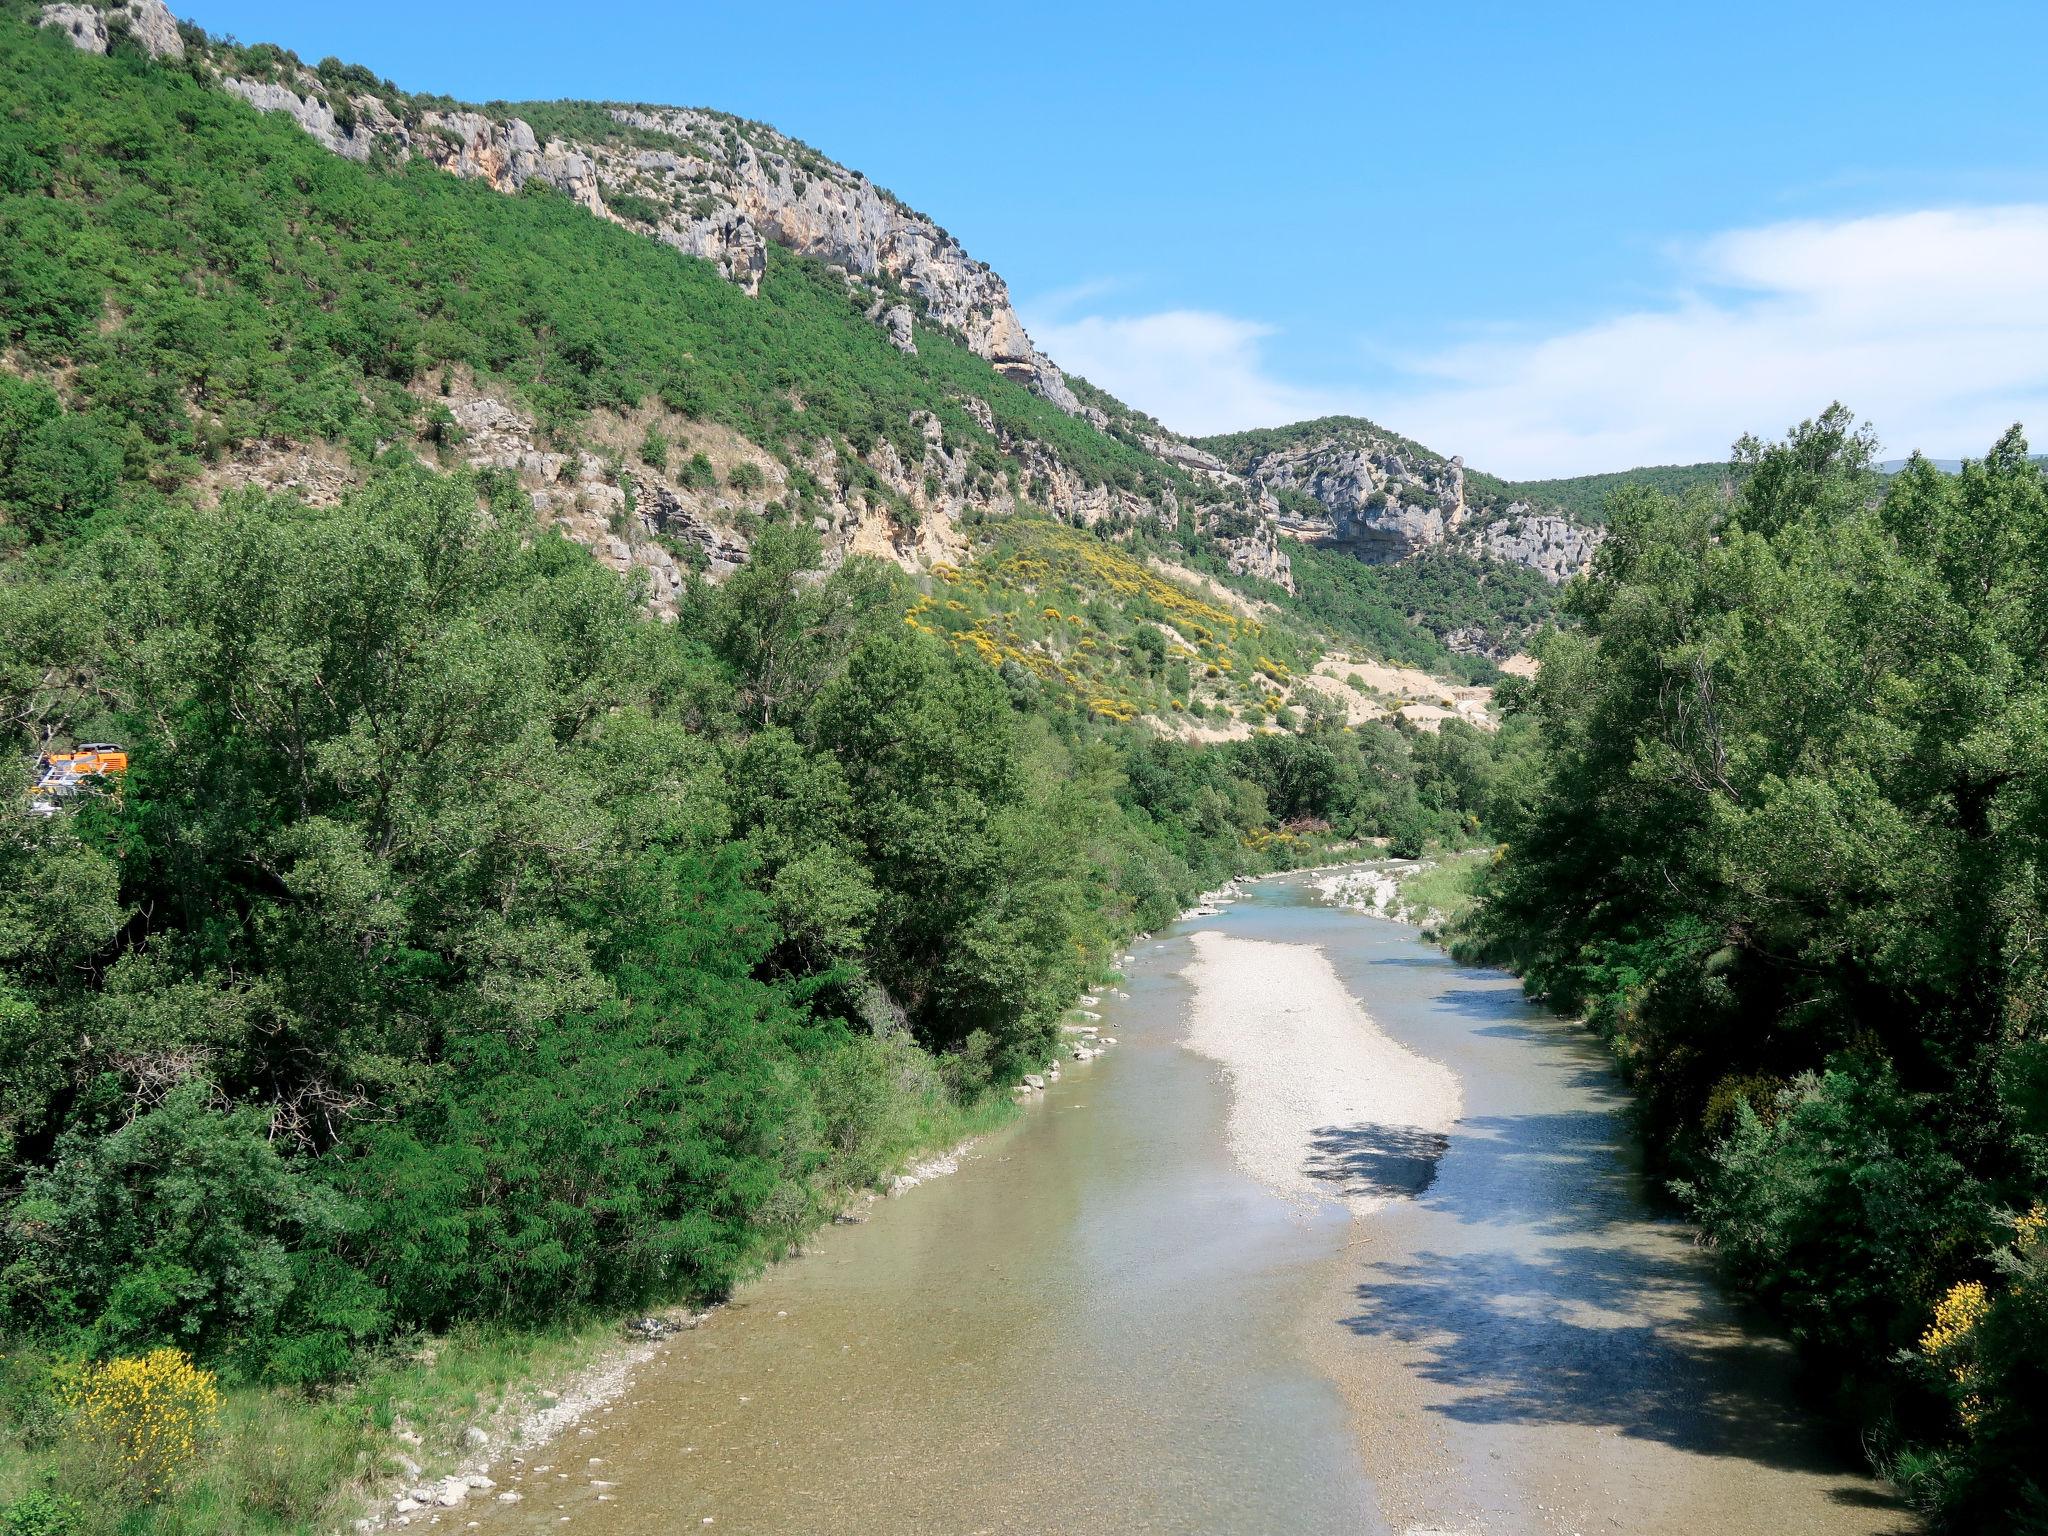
x: 466, y: 950
x: 204, y: 275
x: 1586, y: 497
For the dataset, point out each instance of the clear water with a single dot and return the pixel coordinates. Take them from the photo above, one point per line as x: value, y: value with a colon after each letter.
x: 1099, y: 1324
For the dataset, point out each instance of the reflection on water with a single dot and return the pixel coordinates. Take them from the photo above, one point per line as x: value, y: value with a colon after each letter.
x: 1100, y: 1325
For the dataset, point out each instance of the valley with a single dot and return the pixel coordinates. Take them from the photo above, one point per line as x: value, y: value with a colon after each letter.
x: 661, y: 877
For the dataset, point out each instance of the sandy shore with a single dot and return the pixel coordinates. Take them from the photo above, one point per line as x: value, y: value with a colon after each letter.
x: 1323, y: 1105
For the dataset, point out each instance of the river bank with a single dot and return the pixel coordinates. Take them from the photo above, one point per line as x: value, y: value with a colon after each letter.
x: 1121, y: 1316
x: 464, y: 1418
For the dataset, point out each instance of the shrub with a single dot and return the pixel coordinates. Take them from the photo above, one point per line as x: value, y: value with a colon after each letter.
x: 40, y: 1513
x: 654, y: 449
x: 182, y: 1223
x: 155, y: 1412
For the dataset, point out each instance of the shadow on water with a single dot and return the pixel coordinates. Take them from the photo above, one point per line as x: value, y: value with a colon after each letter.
x: 1376, y: 1160
x: 1553, y: 1297
x: 1561, y: 1337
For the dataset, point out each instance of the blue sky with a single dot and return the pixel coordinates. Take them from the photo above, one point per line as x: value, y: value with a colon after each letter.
x: 1553, y: 239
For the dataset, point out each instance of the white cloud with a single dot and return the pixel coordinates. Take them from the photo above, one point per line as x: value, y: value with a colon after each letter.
x: 1933, y: 325
x: 1197, y: 371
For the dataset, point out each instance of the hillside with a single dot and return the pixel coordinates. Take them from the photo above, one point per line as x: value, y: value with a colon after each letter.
x: 1585, y: 497
x: 889, y: 475
x: 478, y: 941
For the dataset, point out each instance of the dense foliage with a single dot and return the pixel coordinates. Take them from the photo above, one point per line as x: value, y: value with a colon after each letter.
x: 1380, y: 604
x: 1785, y: 849
x: 462, y: 941
x: 206, y: 275
x: 1586, y: 497
x: 464, y: 946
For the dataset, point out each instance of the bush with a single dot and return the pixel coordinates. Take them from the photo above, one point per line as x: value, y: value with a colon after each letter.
x: 155, y: 1413
x: 655, y: 448
x: 181, y: 1224
x: 40, y: 1513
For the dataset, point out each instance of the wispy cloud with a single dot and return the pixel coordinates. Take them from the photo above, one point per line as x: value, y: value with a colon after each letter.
x: 1933, y: 324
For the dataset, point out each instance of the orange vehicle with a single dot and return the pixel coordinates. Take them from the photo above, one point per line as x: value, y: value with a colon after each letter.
x: 60, y: 775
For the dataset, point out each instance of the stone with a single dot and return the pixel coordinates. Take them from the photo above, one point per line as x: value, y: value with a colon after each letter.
x: 1034, y: 1082
x: 148, y: 22
x: 475, y: 1438
x: 355, y: 141
x: 451, y: 1493
x: 407, y: 1468
x: 477, y: 1480
x: 510, y: 1496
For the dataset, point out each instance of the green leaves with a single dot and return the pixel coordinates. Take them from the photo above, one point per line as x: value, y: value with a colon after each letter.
x: 1785, y: 850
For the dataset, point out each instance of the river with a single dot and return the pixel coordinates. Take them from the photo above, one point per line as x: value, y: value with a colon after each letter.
x: 1103, y: 1324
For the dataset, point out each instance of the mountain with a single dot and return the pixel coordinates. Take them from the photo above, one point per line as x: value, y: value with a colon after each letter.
x: 663, y: 440
x: 739, y: 195
x: 1342, y: 480
x: 1584, y: 497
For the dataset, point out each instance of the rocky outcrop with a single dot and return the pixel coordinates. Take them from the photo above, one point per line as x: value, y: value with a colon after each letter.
x: 633, y: 520
x: 93, y: 28
x: 368, y: 121
x: 1378, y: 504
x: 505, y: 155
x: 726, y: 187
x: 1179, y: 451
x: 1545, y: 541
x: 1385, y: 500
x: 1258, y: 552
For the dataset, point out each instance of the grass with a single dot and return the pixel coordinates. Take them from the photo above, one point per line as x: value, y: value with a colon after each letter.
x: 1445, y: 886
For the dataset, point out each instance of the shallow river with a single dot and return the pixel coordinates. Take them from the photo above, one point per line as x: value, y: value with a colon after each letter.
x: 1101, y: 1325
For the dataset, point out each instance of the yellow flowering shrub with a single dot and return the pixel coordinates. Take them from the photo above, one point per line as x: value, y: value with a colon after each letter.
x: 155, y: 1411
x: 1950, y: 1341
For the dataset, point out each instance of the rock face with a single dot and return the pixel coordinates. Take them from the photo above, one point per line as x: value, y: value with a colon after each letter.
x: 1179, y: 451
x: 1544, y: 541
x: 1376, y: 501
x: 352, y: 142
x: 721, y: 188
x: 93, y: 28
x: 711, y: 185
x: 506, y: 155
x: 1385, y: 500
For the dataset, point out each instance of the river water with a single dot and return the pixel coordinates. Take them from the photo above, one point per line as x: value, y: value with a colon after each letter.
x: 1101, y: 1325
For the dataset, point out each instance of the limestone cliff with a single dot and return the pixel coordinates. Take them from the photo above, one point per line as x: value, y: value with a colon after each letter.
x: 94, y: 28
x: 705, y: 182
x: 1345, y: 482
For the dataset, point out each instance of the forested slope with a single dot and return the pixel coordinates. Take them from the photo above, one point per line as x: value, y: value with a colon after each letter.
x: 470, y: 944
x: 1784, y: 848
